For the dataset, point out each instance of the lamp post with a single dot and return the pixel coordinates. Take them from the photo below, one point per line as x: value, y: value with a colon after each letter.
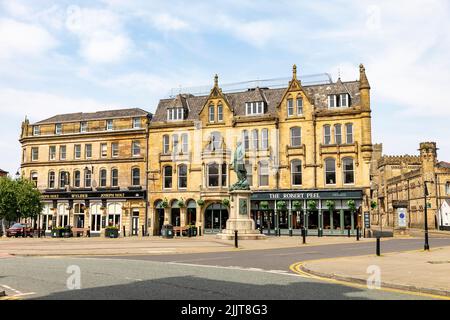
x: 425, y: 191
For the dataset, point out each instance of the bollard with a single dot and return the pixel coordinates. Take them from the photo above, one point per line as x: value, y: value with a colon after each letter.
x: 143, y: 231
x: 123, y: 227
x: 348, y: 233
x: 304, y: 235
x: 235, y: 238
x: 357, y: 234
x: 261, y: 230
x: 290, y: 232
x: 378, y: 246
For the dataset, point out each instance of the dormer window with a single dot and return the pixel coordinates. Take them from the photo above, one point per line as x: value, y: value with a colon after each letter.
x: 219, y: 112
x: 175, y: 114
x: 58, y: 128
x: 338, y: 100
x: 83, y: 126
x: 253, y: 108
x: 109, y: 125
x: 211, y: 113
x: 36, y: 130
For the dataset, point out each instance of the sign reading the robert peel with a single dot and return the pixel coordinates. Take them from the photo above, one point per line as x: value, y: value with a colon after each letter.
x: 306, y: 195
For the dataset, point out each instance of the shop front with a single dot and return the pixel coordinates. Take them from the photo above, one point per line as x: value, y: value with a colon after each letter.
x: 330, y: 212
x: 90, y: 213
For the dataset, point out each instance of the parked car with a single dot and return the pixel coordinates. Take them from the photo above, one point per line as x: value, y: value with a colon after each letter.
x: 18, y: 229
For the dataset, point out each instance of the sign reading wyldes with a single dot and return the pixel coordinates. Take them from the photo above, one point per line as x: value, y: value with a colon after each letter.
x: 306, y: 195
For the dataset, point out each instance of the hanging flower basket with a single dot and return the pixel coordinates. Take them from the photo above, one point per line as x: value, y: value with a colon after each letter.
x: 351, y: 205
x: 165, y: 203
x: 201, y: 202
x: 181, y: 203
x: 297, y: 205
x: 373, y: 204
x: 281, y: 205
x: 264, y: 205
x: 226, y: 202
x: 330, y: 205
x: 312, y: 205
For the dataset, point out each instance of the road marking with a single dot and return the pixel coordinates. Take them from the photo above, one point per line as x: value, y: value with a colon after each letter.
x: 17, y: 294
x: 202, y: 259
x: 297, y: 268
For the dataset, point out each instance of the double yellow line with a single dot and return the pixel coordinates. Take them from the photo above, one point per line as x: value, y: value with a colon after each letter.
x: 300, y: 270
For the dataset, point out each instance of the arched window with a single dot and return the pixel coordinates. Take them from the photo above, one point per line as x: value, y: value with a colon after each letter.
x: 213, y: 175
x: 34, y: 178
x: 224, y: 175
x: 330, y: 171
x: 63, y: 179
x: 87, y: 178
x: 249, y: 168
x: 265, y: 139
x: 184, y: 143
x: 263, y: 173
x: 348, y: 170
x: 326, y: 134
x: 255, y: 139
x: 349, y: 132
x: 337, y: 134
x: 182, y: 176
x: 216, y: 141
x: 245, y: 140
x: 296, y: 172
x: 211, y: 113
x: 114, y: 178
x: 175, y: 143
x: 77, y: 179
x: 296, y: 137
x: 103, y: 178
x: 136, y: 176
x: 51, y: 180
x: 167, y: 177
x: 166, y: 144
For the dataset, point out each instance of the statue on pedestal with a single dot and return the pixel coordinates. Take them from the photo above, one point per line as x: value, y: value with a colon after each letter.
x: 238, y: 166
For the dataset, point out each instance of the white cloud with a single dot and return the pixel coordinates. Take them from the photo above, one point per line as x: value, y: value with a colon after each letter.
x: 101, y: 34
x: 23, y: 39
x: 168, y: 22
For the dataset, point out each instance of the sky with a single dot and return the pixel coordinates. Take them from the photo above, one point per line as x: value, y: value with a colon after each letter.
x: 71, y: 56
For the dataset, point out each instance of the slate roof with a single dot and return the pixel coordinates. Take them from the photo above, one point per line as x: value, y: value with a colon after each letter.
x: 317, y: 93
x: 3, y: 171
x: 443, y: 164
x: 82, y: 116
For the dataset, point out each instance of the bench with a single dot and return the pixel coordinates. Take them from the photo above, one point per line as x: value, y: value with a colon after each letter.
x: 179, y: 230
x: 80, y: 231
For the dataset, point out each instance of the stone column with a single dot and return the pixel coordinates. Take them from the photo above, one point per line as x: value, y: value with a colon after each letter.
x: 167, y: 216
x: 183, y: 216
x: 290, y: 218
x: 341, y: 212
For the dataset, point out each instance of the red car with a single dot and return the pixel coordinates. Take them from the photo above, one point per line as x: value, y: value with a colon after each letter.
x: 18, y: 229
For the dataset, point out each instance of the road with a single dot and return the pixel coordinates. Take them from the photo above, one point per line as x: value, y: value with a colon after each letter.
x: 241, y: 275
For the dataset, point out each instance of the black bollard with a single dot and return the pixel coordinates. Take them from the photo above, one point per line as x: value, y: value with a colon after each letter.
x: 123, y: 227
x: 235, y: 238
x: 348, y: 232
x: 304, y: 235
x: 378, y: 246
x: 357, y: 234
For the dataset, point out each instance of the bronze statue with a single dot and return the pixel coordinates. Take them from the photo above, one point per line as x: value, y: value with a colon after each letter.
x: 238, y: 166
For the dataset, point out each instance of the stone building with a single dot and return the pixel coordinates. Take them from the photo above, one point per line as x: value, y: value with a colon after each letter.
x: 3, y: 173
x: 399, y: 181
x: 303, y: 143
x: 91, y: 169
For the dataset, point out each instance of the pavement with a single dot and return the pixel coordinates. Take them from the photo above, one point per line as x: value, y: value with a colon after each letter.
x: 153, y: 245
x: 416, y: 271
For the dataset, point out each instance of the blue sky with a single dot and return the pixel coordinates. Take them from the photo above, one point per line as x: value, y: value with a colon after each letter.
x: 69, y: 56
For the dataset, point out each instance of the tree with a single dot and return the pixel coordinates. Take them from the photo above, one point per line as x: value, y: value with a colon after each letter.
x: 8, y: 201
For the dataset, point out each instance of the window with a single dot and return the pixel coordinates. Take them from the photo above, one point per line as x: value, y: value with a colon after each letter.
x: 52, y: 153
x: 166, y: 144
x: 175, y: 114
x: 213, y: 175
x: 58, y: 128
x: 36, y: 130
x: 337, y: 134
x: 77, y: 151
x: 83, y: 126
x: 299, y: 106
x: 87, y: 178
x: 290, y: 107
x: 103, y: 178
x: 255, y: 140
x: 263, y: 174
x: 167, y: 177
x: 136, y: 148
x: 114, y: 149
x: 224, y: 175
x: 109, y: 125
x: 219, y: 112
x: 211, y: 113
x: 326, y: 134
x: 332, y: 101
x: 63, y: 179
x: 88, y: 151
x: 103, y: 150
x: 34, y: 178
x: 136, y: 123
x: 296, y: 172
x: 114, y: 178
x: 51, y: 180
x: 77, y: 179
x: 34, y: 154
x: 182, y: 176
x: 447, y: 188
x: 264, y: 139
x: 296, y: 137
x: 330, y: 171
x: 349, y: 132
x: 348, y: 171
x: 246, y: 140
x: 249, y: 168
x: 343, y: 100
x: 175, y: 143
x: 216, y: 141
x: 184, y: 143
x: 252, y: 108
x: 136, y: 177
x: 62, y: 152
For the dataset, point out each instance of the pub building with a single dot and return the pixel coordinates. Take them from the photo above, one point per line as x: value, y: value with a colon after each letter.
x: 90, y: 169
x: 308, y: 147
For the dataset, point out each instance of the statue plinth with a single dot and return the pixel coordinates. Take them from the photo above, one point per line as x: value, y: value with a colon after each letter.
x: 240, y: 219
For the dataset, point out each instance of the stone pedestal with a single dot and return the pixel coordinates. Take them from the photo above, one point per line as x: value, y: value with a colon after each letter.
x: 401, y: 222
x: 239, y: 218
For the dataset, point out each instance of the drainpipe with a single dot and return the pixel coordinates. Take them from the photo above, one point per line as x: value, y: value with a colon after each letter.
x: 315, y: 150
x: 147, y: 133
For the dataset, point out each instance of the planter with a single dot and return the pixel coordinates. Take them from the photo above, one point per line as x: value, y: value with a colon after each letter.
x: 111, y: 233
x: 61, y: 233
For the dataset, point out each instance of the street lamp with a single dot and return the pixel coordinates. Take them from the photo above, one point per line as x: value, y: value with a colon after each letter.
x: 425, y: 190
